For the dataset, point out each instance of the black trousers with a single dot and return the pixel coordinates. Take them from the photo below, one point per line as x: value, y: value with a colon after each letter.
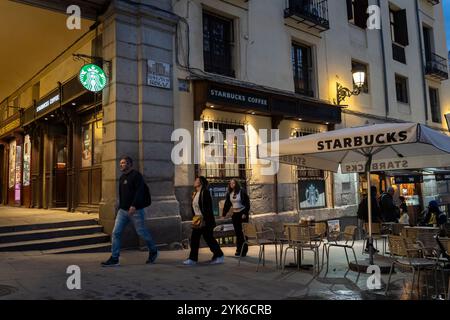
x: 208, y: 235
x: 237, y: 224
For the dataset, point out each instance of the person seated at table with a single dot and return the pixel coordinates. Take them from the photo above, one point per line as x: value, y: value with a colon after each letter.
x: 389, y: 211
x: 433, y: 216
x: 363, y: 210
x: 404, y: 217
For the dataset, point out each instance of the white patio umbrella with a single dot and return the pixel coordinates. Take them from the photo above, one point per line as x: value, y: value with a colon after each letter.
x: 380, y: 147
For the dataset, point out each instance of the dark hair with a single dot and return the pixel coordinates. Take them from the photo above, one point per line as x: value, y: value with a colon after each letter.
x: 203, y: 182
x: 127, y: 159
x: 238, y: 186
x: 402, y: 198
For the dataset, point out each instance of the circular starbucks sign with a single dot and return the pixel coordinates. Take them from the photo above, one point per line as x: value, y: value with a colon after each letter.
x: 92, y: 77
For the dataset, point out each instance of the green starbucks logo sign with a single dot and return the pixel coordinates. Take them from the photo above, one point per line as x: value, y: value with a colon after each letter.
x: 92, y: 77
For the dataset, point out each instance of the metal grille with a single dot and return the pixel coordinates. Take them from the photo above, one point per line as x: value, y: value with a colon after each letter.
x: 302, y: 64
x: 216, y: 151
x: 218, y: 44
x: 303, y: 173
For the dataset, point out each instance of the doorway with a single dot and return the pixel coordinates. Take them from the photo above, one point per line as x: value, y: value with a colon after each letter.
x: 60, y: 171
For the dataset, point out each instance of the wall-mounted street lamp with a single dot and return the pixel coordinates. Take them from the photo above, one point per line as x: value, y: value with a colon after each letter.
x: 359, y: 79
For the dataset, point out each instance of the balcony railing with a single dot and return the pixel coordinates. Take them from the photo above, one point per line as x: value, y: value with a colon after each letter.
x: 436, y: 67
x: 312, y: 13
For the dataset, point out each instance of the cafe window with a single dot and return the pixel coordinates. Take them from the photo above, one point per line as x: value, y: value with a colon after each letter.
x: 215, y: 151
x: 61, y: 152
x: 91, y: 144
x: 302, y: 68
x: 98, y: 142
x: 218, y: 44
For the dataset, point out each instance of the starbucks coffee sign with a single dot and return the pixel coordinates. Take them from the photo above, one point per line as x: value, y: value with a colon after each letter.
x: 92, y: 77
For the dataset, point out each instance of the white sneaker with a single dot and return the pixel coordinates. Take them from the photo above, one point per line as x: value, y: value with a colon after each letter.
x: 218, y: 260
x: 189, y: 262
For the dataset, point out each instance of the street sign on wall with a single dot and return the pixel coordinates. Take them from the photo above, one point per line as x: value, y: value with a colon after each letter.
x: 158, y: 74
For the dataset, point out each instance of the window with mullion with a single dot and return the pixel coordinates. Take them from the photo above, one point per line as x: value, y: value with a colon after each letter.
x: 218, y: 44
x: 435, y: 106
x: 401, y: 86
x: 302, y: 68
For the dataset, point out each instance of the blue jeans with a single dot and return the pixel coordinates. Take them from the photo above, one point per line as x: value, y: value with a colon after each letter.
x: 122, y: 219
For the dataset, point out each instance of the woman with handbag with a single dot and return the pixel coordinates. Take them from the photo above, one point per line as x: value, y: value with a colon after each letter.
x: 203, y: 223
x: 238, y: 199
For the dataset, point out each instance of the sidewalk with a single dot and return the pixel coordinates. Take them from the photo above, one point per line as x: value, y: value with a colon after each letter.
x: 32, y: 275
x: 11, y: 216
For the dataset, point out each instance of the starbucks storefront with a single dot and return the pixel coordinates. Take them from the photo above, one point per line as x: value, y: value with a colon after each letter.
x: 65, y: 128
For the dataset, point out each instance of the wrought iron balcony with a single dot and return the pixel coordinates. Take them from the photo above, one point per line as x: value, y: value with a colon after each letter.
x: 436, y: 67
x: 311, y: 13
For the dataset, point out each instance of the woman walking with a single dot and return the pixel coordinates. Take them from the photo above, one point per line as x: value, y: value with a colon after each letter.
x: 203, y: 224
x: 238, y: 199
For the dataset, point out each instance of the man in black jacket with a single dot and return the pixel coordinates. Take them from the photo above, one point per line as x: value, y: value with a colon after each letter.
x: 134, y: 196
x: 363, y: 210
x: 389, y: 211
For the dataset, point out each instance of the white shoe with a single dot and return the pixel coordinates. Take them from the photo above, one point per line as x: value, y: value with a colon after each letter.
x: 189, y: 262
x: 218, y: 260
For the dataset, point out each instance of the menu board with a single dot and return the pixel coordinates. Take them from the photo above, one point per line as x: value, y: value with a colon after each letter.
x: 218, y: 192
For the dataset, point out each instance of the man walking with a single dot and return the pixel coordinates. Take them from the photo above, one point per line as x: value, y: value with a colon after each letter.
x: 134, y: 196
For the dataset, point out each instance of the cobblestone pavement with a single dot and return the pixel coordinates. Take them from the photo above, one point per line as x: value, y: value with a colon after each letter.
x: 33, y: 275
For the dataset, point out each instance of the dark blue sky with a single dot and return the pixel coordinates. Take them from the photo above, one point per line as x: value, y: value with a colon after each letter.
x: 446, y: 4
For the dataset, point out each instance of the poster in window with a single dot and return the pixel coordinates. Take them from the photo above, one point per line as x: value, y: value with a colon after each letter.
x: 18, y: 184
x: 26, y: 161
x: 312, y: 194
x: 86, y: 148
x: 12, y: 164
x: 218, y: 193
x: 98, y: 145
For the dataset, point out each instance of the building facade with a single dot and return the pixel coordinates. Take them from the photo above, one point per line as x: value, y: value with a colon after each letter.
x: 212, y: 67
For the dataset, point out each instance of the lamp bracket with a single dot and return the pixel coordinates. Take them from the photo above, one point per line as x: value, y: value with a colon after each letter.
x: 343, y: 93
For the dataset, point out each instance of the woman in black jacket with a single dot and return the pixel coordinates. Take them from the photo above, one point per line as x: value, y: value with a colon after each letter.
x: 238, y: 199
x: 203, y: 223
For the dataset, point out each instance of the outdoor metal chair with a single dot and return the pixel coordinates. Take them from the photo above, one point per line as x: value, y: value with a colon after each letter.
x: 281, y: 237
x: 345, y: 240
x: 376, y: 235
x: 303, y: 238
x: 259, y: 238
x: 442, y: 255
x: 408, y: 257
x: 427, y: 243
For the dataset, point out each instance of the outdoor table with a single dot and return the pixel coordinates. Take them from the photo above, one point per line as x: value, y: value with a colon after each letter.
x: 314, y: 237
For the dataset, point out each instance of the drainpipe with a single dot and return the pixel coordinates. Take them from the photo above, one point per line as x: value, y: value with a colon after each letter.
x: 419, y: 30
x: 383, y: 51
